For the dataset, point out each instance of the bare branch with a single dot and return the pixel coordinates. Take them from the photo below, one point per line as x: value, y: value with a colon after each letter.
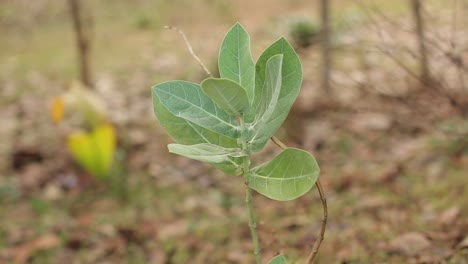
x: 190, y: 48
x: 454, y: 24
x: 416, y: 7
x: 82, y: 25
x: 325, y: 45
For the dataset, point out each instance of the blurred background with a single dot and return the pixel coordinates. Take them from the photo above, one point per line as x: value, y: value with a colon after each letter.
x: 85, y: 176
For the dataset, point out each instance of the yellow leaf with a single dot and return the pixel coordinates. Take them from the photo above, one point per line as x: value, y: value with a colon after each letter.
x: 104, y: 143
x: 94, y: 150
x: 80, y: 146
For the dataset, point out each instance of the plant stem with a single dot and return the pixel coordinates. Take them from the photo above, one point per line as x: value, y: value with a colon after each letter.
x: 253, y: 225
x: 318, y: 242
x: 248, y: 193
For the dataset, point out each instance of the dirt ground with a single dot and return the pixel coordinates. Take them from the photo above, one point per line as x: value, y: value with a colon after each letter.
x: 393, y: 151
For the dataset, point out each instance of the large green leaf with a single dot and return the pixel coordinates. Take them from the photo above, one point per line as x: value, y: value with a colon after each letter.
x: 235, y: 60
x: 186, y: 100
x: 291, y: 74
x: 205, y: 152
x: 227, y: 94
x: 280, y: 259
x: 185, y: 132
x: 287, y: 176
x: 269, y: 98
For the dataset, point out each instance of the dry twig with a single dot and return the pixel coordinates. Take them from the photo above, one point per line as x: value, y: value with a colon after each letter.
x: 318, y: 242
x: 189, y: 48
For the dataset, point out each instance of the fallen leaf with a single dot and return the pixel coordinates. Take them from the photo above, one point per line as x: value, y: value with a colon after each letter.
x: 26, y: 250
x: 52, y: 192
x: 409, y: 244
x: 172, y: 229
x: 372, y: 203
x: 390, y: 174
x: 371, y: 121
x: 463, y: 243
x: 76, y: 241
x: 32, y: 176
x: 449, y: 216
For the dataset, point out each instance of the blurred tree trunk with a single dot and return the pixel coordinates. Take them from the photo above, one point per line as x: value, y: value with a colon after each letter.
x: 82, y: 25
x: 419, y: 23
x: 325, y: 45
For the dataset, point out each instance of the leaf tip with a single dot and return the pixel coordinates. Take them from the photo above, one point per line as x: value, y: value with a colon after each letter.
x: 283, y: 41
x: 238, y: 24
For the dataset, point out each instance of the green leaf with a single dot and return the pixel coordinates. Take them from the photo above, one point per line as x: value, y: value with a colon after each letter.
x: 291, y: 74
x: 280, y: 259
x: 269, y: 99
x: 185, y: 132
x: 205, y: 152
x: 186, y: 100
x: 235, y: 60
x: 287, y: 176
x: 227, y: 94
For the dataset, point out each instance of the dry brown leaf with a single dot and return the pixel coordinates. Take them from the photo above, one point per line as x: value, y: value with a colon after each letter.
x: 52, y: 192
x: 173, y: 229
x: 32, y: 176
x: 371, y: 121
x: 409, y: 244
x: 25, y: 251
x: 372, y: 203
x: 463, y: 243
x: 449, y: 216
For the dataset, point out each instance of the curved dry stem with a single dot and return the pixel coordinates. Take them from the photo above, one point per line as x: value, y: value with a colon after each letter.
x: 318, y: 242
x: 190, y: 48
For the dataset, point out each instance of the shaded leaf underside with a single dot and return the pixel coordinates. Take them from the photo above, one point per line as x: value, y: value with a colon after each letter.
x: 205, y: 152
x: 227, y: 94
x: 289, y: 175
x: 187, y: 101
x: 186, y: 132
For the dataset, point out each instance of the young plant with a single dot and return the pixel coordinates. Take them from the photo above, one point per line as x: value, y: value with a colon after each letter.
x: 92, y: 140
x: 223, y: 120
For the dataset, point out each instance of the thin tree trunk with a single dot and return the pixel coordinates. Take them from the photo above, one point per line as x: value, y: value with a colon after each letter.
x: 82, y: 26
x: 325, y: 46
x: 419, y: 23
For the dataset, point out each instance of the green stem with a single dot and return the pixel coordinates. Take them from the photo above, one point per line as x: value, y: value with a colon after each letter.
x: 253, y: 225
x: 248, y: 193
